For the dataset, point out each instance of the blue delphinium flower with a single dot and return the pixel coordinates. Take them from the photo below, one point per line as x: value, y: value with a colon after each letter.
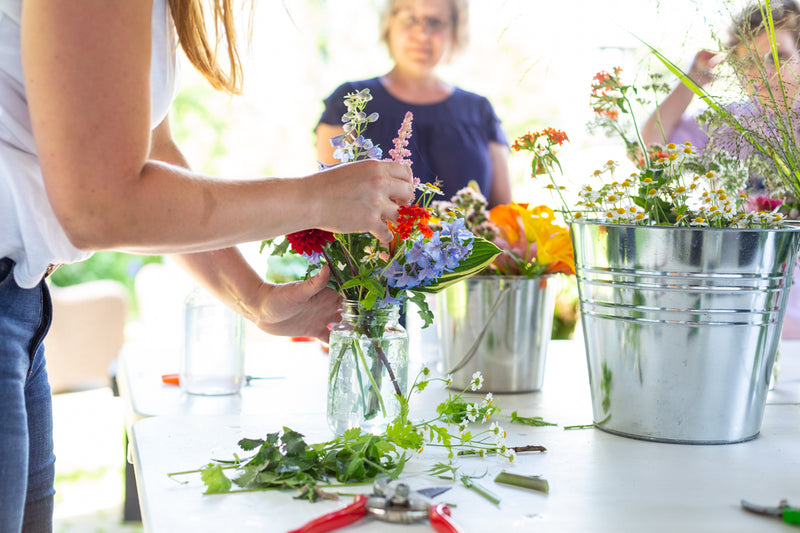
x: 388, y: 300
x: 373, y: 150
x: 425, y: 262
x: 315, y: 258
x: 343, y: 150
x: 397, y: 276
x: 457, y: 230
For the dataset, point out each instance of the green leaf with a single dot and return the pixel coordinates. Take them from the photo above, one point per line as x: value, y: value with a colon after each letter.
x: 441, y: 434
x: 293, y: 442
x: 246, y: 477
x: 353, y: 282
x: 422, y: 307
x: 440, y: 469
x: 374, y: 287
x: 355, y: 470
x: 382, y: 447
x: 482, y: 255
x: 250, y: 444
x: 352, y: 434
x: 404, y: 435
x: 215, y: 479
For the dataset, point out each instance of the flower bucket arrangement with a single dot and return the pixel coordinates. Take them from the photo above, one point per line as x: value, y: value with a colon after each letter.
x: 500, y: 321
x: 682, y: 291
x: 369, y: 348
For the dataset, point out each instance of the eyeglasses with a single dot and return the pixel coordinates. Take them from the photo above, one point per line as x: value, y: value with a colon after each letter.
x: 431, y: 25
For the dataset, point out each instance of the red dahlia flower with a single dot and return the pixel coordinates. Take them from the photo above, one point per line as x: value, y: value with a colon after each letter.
x: 309, y: 241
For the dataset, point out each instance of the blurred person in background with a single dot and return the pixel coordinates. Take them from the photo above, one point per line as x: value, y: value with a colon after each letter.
x: 457, y: 137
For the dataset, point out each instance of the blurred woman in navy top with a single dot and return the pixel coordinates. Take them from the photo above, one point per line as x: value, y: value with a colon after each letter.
x: 457, y: 136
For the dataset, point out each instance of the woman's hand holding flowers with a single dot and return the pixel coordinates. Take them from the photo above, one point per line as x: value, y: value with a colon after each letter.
x: 360, y: 197
x: 300, y: 308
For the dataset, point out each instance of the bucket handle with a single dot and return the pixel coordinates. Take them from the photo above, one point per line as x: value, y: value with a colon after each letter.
x: 473, y: 349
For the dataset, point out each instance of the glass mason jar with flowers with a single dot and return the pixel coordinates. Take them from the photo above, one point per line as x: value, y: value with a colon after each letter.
x: 368, y: 354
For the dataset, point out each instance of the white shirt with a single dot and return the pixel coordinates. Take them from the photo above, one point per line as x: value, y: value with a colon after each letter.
x: 30, y: 233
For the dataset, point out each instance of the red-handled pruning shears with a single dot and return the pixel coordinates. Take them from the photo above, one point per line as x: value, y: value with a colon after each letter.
x: 397, y: 504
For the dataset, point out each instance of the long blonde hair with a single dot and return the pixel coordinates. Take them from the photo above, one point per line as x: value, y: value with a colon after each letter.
x: 194, y: 38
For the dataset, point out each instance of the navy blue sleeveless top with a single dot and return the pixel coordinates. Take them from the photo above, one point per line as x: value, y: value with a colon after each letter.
x: 449, y: 141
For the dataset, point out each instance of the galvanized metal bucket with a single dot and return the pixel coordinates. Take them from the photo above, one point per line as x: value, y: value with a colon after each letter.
x: 681, y: 326
x: 500, y: 326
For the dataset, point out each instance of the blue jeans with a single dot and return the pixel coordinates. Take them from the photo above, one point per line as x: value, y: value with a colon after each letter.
x: 27, y: 461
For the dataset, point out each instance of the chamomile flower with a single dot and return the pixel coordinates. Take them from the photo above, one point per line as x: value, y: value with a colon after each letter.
x: 487, y: 401
x: 498, y: 431
x: 477, y: 381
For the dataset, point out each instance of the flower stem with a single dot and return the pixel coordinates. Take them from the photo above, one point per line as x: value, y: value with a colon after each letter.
x: 526, y: 482
x: 517, y: 449
x: 385, y: 361
x: 332, y: 268
x: 371, y: 378
x: 480, y: 489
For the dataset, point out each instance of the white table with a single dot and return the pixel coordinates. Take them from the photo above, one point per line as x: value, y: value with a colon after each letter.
x: 598, y: 481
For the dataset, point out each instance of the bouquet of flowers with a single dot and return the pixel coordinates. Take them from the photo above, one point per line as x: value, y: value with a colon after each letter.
x: 531, y: 241
x: 672, y: 185
x: 418, y: 260
x: 374, y: 278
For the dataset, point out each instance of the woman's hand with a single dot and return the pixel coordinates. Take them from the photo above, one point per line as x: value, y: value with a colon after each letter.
x: 701, y: 68
x: 361, y: 196
x: 301, y: 308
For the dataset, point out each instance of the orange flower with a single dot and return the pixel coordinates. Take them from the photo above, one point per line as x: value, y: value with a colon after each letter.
x: 532, y: 242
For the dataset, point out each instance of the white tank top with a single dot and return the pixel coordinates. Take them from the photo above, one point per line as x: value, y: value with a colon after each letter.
x: 29, y: 231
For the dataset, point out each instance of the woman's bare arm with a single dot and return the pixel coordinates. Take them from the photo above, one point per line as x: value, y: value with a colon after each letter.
x: 86, y: 65
x: 302, y: 308
x: 501, y: 182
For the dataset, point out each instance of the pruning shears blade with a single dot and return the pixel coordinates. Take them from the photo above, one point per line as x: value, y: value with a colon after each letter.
x: 432, y: 492
x: 763, y: 509
x: 789, y: 514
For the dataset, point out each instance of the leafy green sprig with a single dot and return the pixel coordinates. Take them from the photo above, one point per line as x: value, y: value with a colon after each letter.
x: 284, y: 460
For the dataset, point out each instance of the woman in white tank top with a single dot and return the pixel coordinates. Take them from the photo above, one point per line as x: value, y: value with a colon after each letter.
x: 87, y: 163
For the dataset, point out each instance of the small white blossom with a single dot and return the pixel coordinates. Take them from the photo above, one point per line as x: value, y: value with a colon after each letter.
x: 477, y: 381
x: 487, y: 401
x: 472, y: 412
x: 499, y: 433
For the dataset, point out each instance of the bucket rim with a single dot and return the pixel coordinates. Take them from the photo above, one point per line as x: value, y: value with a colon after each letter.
x: 788, y: 227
